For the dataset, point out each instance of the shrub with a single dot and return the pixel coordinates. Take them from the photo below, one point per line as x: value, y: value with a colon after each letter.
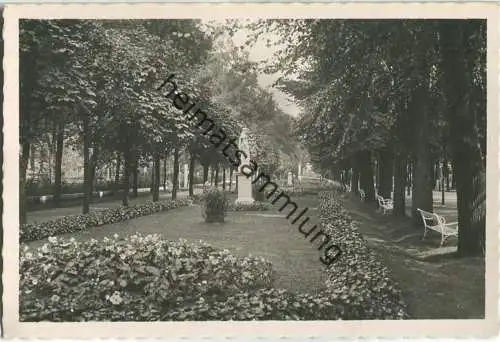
x: 255, y: 206
x: 73, y: 223
x: 139, y: 278
x: 215, y: 203
x: 357, y: 277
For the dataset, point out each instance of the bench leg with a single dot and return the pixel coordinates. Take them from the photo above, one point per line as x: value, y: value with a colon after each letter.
x: 425, y: 232
x: 443, y: 239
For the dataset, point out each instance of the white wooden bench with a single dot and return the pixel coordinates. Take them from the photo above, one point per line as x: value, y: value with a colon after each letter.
x: 362, y: 194
x: 438, y: 223
x: 385, y: 204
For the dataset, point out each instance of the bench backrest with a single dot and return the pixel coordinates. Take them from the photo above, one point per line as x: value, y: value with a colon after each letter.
x: 362, y: 194
x: 380, y: 199
x: 429, y: 219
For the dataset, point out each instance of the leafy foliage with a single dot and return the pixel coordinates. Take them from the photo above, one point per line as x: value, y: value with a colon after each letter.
x: 358, y: 276
x: 215, y: 203
x: 138, y: 278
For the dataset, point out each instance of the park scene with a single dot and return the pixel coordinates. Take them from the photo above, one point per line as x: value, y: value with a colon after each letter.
x: 354, y: 187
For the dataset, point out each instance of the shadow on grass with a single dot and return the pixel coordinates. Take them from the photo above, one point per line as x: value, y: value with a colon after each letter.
x: 436, y: 284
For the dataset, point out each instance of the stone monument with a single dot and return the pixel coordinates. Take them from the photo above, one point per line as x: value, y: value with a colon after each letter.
x: 244, y: 182
x: 299, y: 174
x: 290, y: 178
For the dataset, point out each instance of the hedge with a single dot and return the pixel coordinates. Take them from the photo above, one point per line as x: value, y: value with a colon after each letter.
x: 358, y: 276
x: 73, y: 223
x: 255, y: 206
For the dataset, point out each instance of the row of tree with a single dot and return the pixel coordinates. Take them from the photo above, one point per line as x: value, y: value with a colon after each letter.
x: 406, y: 93
x: 91, y: 84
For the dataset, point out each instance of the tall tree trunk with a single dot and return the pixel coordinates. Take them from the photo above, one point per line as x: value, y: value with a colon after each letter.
x: 156, y: 171
x: 117, y: 171
x: 366, y: 175
x: 230, y: 178
x: 126, y: 175
x: 385, y: 167
x: 212, y: 171
x: 30, y: 75
x: 93, y: 167
x: 422, y: 182
x: 434, y: 175
x: 25, y: 156
x: 399, y: 186
x: 205, y: 173
x: 87, y: 178
x: 409, y: 177
x: 153, y: 177
x: 135, y: 176
x: 217, y: 175
x: 355, y: 179
x: 446, y: 172
x: 165, y: 157
x: 192, y: 160
x: 453, y: 176
x: 175, y: 178
x: 58, y: 164
x: 468, y: 164
x: 223, y: 178
x: 441, y: 184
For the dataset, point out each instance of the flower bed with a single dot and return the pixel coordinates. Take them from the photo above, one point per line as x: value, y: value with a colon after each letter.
x: 255, y: 206
x: 357, y: 277
x: 146, y: 278
x: 135, y: 278
x: 73, y: 223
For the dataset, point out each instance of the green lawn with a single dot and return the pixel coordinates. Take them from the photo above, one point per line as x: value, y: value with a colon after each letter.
x: 435, y: 284
x: 267, y: 234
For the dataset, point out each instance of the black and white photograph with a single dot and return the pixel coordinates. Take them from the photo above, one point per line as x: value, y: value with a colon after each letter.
x: 267, y: 168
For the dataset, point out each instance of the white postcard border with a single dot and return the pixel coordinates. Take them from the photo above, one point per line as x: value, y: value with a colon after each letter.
x: 269, y: 329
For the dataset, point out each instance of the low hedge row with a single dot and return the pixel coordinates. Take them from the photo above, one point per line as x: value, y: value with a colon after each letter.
x: 255, y: 206
x: 358, y: 277
x: 73, y: 223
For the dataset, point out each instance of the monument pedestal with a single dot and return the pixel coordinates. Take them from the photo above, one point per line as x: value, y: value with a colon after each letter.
x: 244, y: 190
